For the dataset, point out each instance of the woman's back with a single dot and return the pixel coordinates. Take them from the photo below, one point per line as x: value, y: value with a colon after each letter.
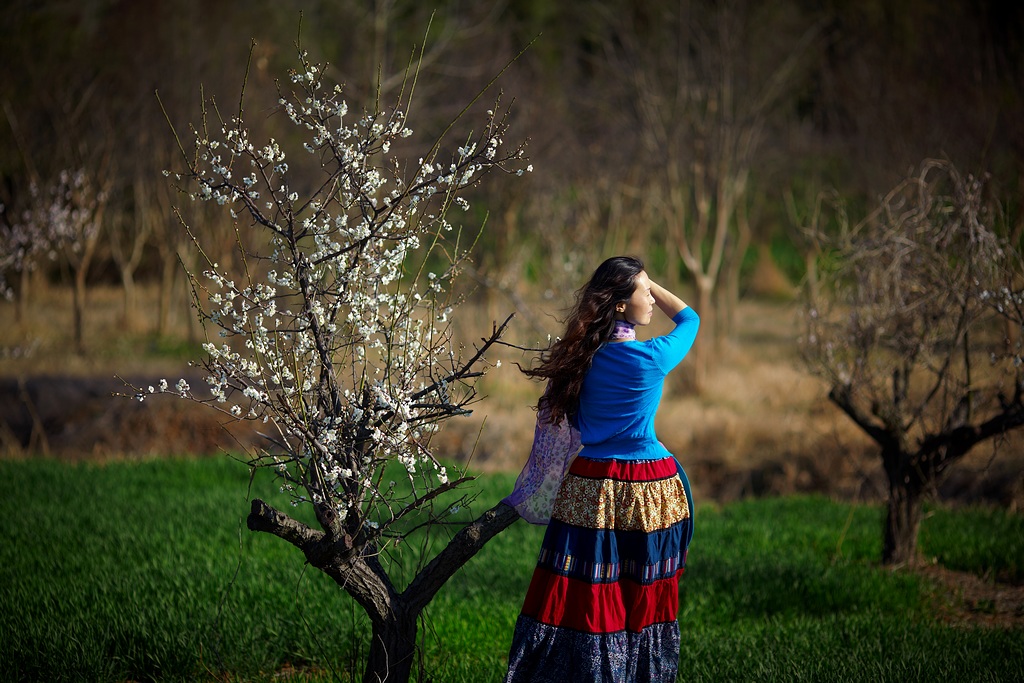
x: 622, y: 391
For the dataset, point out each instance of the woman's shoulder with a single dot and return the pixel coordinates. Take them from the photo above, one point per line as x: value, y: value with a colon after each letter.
x: 633, y: 351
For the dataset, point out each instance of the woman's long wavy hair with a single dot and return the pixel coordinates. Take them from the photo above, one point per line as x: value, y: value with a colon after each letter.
x: 589, y: 325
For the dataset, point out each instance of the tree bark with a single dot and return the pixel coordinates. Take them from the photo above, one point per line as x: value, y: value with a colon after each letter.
x: 80, y: 269
x: 22, y: 304
x: 705, y: 290
x: 168, y: 266
x: 393, y: 649
x: 79, y: 310
x: 128, y: 287
x: 902, y: 521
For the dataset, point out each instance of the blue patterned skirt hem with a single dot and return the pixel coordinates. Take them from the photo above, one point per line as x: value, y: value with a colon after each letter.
x: 550, y: 654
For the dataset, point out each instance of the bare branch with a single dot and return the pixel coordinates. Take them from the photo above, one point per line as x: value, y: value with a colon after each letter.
x: 459, y: 550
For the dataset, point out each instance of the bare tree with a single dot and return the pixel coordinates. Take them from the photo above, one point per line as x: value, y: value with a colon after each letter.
x: 809, y: 220
x: 170, y: 241
x: 910, y: 334
x: 706, y: 81
x: 334, y: 333
x: 128, y: 235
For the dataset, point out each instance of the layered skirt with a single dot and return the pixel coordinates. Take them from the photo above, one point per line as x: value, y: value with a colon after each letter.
x: 604, y: 598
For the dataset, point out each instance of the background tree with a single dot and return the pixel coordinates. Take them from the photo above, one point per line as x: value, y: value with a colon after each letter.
x: 25, y: 240
x: 128, y: 233
x: 910, y: 335
x: 334, y: 331
x: 703, y: 99
x: 809, y: 220
x: 76, y: 212
x: 861, y: 104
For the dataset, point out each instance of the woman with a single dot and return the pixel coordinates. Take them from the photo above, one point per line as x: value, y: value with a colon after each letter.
x: 604, y: 597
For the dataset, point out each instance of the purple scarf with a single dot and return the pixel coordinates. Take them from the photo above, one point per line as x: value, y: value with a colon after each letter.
x: 624, y: 331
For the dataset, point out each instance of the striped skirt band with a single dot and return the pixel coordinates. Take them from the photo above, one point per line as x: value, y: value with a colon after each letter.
x: 604, y: 598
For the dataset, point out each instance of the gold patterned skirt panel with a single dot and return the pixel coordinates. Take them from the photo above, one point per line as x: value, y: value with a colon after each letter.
x: 626, y: 505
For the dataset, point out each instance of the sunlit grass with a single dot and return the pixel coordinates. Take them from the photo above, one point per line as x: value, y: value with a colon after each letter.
x: 147, y: 572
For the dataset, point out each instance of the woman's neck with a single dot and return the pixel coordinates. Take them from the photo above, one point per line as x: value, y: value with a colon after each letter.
x: 624, y: 331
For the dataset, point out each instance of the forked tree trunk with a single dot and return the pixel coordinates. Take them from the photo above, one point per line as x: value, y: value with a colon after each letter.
x: 393, y: 615
x: 80, y: 269
x: 907, y: 482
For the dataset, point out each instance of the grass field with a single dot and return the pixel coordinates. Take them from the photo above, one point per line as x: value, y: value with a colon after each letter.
x: 145, y: 571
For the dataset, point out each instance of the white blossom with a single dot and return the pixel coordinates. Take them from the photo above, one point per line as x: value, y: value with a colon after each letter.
x: 334, y: 331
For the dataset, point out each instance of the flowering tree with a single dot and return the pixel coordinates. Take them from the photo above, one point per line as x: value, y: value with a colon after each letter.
x: 64, y: 221
x: 917, y: 332
x: 13, y: 255
x: 76, y: 218
x: 26, y: 237
x: 334, y: 334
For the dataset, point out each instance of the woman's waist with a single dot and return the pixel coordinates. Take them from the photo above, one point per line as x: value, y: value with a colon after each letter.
x: 626, y: 448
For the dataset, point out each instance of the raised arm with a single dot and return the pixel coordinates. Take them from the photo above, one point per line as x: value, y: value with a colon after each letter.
x: 671, y: 348
x: 669, y: 303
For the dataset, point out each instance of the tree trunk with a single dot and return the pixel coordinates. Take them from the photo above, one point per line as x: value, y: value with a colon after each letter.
x: 187, y: 259
x: 705, y: 290
x: 393, y: 616
x: 393, y: 648
x: 902, y: 521
x: 811, y: 277
x: 22, y: 304
x: 79, y: 309
x: 168, y: 270
x: 732, y: 268
x: 128, y: 285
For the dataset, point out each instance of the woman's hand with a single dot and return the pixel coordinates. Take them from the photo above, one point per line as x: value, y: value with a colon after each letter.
x: 669, y: 303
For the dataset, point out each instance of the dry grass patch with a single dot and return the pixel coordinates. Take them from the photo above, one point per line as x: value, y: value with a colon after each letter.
x: 761, y: 425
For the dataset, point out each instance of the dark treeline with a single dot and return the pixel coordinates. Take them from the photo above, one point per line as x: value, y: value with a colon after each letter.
x: 691, y: 132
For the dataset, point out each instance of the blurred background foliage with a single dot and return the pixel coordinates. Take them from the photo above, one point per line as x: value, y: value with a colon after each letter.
x: 631, y: 110
x: 707, y: 137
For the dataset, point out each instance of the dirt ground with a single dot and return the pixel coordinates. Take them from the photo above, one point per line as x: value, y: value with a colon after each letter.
x: 967, y: 599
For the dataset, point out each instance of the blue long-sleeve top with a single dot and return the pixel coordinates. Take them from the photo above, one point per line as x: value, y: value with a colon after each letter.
x: 622, y: 391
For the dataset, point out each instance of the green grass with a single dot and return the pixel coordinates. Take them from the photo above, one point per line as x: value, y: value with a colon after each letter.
x: 985, y: 541
x: 146, y: 572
